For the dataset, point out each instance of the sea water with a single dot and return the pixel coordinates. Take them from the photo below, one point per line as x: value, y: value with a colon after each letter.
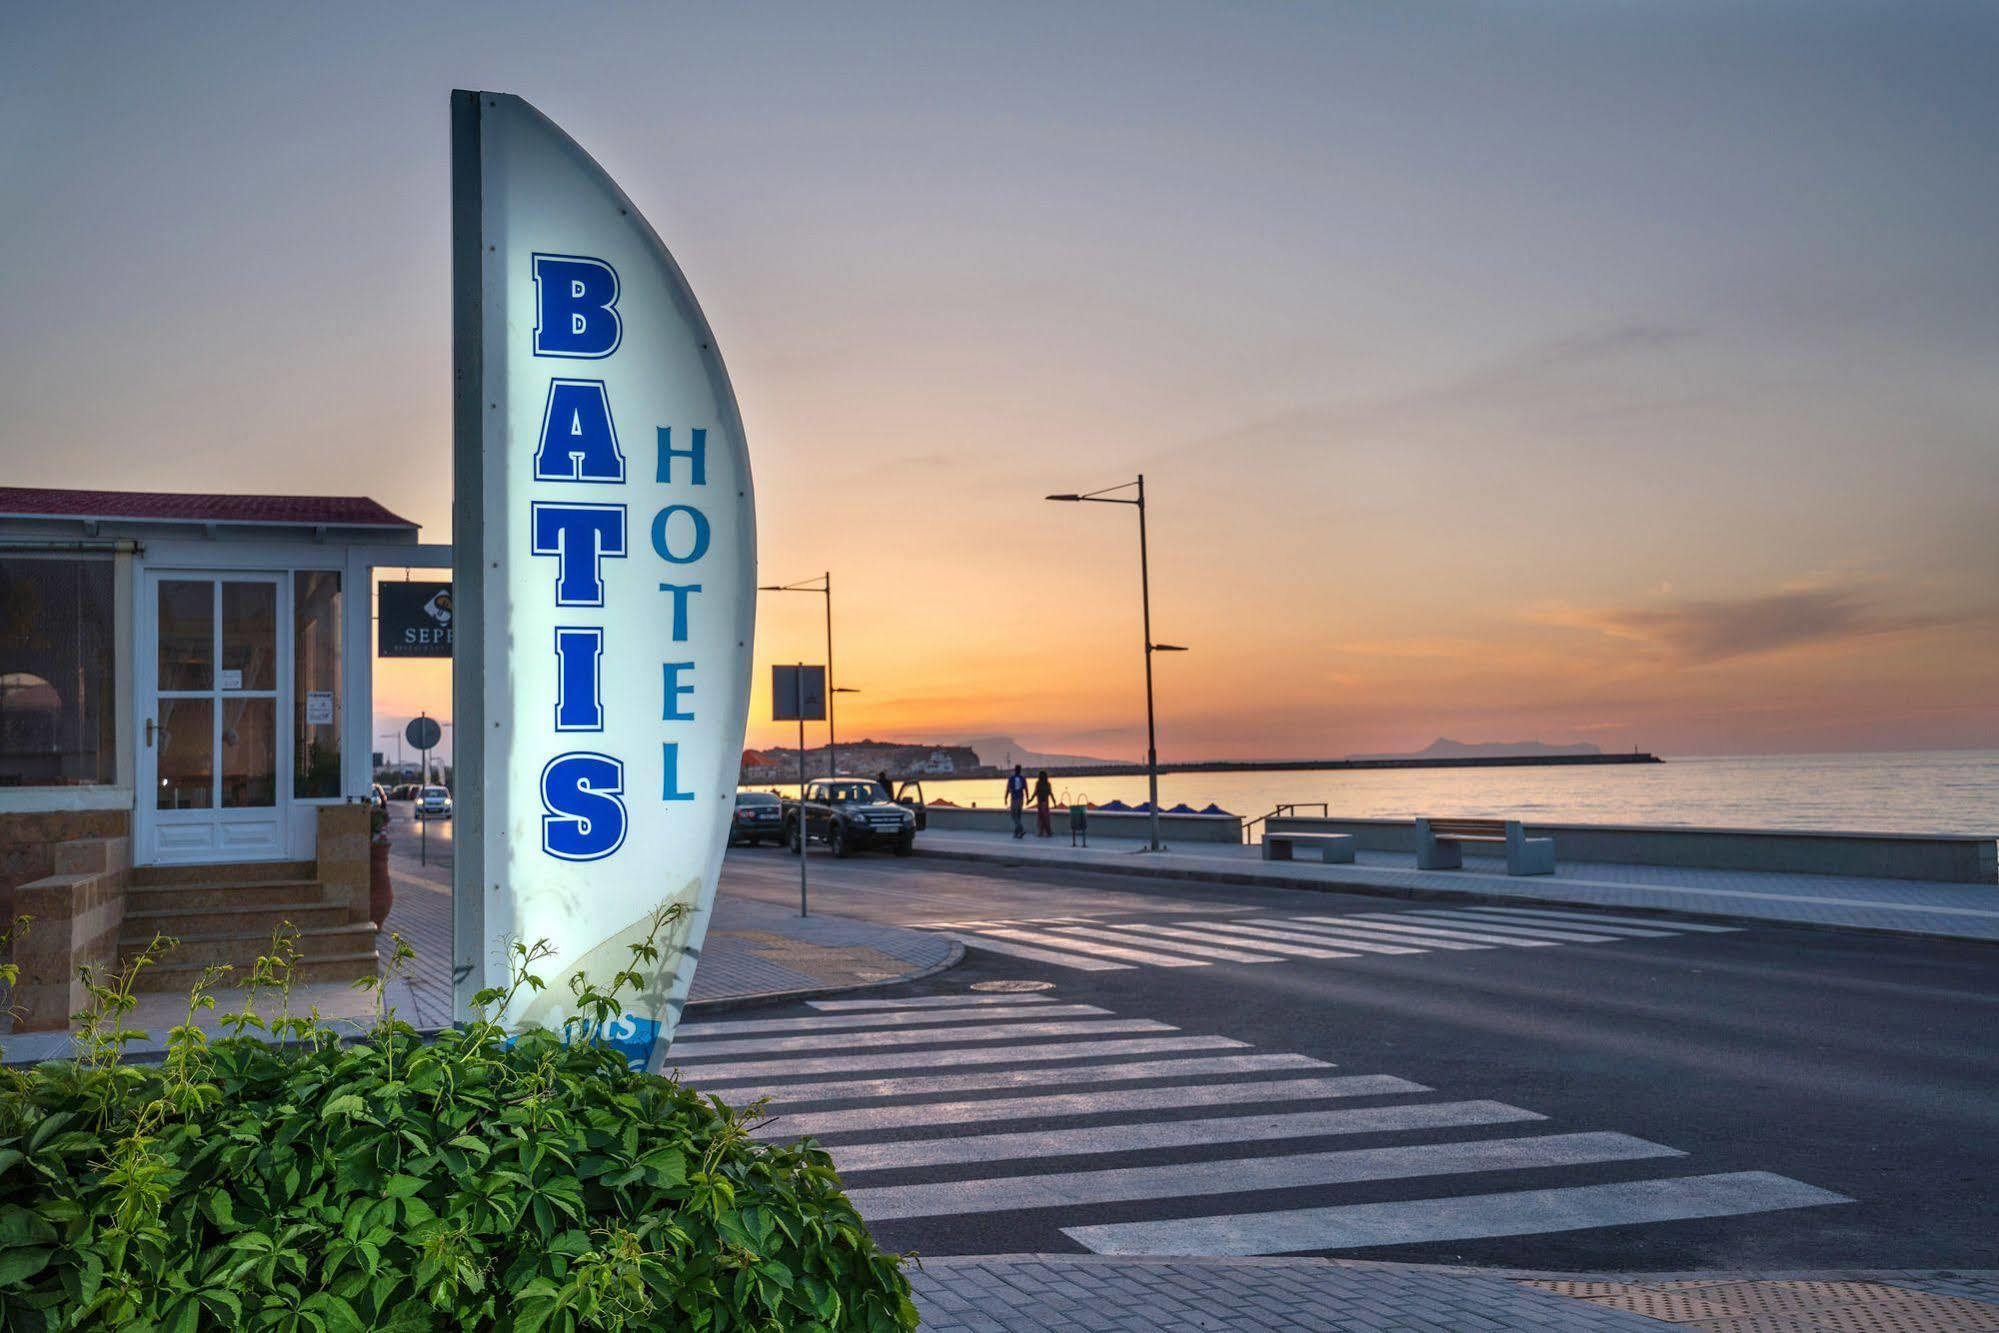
x: 1941, y: 791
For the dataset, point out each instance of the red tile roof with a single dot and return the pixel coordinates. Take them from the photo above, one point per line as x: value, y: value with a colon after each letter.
x: 333, y: 511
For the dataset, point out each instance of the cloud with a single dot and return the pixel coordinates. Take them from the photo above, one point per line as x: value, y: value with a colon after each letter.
x: 1699, y: 632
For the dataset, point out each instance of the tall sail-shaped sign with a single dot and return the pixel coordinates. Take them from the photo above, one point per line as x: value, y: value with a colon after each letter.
x: 604, y: 539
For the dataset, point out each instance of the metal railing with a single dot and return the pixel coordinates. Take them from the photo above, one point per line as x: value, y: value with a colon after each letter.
x: 1284, y: 811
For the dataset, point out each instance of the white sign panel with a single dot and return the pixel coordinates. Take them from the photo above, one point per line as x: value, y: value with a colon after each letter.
x: 319, y: 708
x: 608, y: 595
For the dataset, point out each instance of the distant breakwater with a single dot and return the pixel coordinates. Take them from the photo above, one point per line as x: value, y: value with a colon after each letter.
x: 1333, y: 765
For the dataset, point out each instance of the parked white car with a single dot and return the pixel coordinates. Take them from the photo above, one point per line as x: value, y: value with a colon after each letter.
x: 433, y: 803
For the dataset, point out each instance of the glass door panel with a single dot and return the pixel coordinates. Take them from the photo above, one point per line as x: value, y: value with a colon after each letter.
x: 186, y: 634
x: 186, y: 741
x: 249, y: 753
x: 249, y: 636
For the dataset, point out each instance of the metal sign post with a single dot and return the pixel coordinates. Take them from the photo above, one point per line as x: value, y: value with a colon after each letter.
x: 423, y: 733
x: 798, y: 693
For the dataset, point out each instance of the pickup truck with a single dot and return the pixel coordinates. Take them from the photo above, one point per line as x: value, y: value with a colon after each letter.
x: 850, y: 815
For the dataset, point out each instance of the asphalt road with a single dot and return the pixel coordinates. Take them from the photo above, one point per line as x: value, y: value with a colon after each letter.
x: 1764, y: 1073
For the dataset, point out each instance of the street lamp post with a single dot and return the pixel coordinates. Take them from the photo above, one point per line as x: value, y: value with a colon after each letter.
x: 1105, y: 496
x: 824, y: 586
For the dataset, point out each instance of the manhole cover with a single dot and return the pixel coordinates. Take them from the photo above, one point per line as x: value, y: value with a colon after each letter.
x: 1012, y: 987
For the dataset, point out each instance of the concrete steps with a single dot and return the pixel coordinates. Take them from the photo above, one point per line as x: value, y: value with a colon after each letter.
x: 213, y: 897
x: 227, y: 914
x: 233, y: 873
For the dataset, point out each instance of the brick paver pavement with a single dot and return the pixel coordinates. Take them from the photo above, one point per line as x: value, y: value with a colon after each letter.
x: 1100, y: 1294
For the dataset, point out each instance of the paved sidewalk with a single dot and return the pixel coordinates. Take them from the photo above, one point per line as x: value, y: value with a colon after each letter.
x: 1888, y: 906
x: 1095, y: 1294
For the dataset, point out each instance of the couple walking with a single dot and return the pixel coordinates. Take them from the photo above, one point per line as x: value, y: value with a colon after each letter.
x: 1016, y: 797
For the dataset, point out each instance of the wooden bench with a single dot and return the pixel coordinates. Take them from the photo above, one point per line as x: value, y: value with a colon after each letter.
x: 1333, y: 847
x: 1440, y: 845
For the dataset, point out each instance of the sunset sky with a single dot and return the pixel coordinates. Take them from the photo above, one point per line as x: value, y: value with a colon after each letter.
x: 1620, y: 373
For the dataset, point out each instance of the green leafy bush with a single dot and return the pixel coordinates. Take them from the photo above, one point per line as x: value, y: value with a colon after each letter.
x: 278, y: 1179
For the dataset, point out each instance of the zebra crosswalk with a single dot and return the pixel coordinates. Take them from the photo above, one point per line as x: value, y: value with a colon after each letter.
x: 1238, y: 935
x: 993, y: 1104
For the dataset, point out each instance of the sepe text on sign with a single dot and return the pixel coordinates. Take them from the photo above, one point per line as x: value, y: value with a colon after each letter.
x: 605, y: 571
x: 413, y: 619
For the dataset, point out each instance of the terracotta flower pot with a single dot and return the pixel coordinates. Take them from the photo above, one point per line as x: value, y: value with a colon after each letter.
x: 381, y: 893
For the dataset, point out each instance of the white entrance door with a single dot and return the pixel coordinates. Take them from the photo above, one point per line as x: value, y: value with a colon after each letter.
x: 214, y: 689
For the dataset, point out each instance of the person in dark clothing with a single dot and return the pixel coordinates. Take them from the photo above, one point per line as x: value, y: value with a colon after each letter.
x: 1044, y: 795
x: 1016, y: 797
x: 888, y: 788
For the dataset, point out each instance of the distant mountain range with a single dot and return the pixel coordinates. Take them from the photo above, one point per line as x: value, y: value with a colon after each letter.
x: 1002, y: 751
x: 1444, y: 748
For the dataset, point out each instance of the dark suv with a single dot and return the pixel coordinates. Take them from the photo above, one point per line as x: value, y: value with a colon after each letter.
x: 850, y: 815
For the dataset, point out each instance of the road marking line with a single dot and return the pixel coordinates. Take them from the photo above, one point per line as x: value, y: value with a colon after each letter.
x: 926, y: 1002
x: 744, y: 1070
x: 885, y: 1019
x: 1208, y: 931
x: 1081, y: 1027
x: 1464, y: 1217
x: 1124, y: 934
x: 1515, y: 930
x: 1249, y: 1175
x: 1339, y: 936
x: 1438, y: 933
x: 1074, y: 961
x: 1275, y: 933
x: 1567, y: 928
x: 1696, y: 927
x: 842, y: 1089
x: 1086, y: 1103
x: 1008, y: 921
x: 1102, y: 950
x: 1172, y: 1134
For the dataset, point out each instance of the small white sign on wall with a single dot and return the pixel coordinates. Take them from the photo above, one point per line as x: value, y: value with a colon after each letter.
x: 319, y: 708
x: 231, y: 679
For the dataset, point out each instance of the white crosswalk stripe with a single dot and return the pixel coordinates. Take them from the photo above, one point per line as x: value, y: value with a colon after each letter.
x: 1077, y: 962
x: 740, y: 1027
x: 1590, y: 918
x: 1250, y: 1175
x: 1410, y: 930
x: 1177, y: 947
x: 1510, y: 930
x: 1146, y: 1135
x: 1081, y: 1027
x: 1343, y: 937
x: 1038, y: 1077
x: 1088, y: 1103
x: 1236, y: 935
x: 1033, y: 1113
x: 926, y: 1002
x: 740, y: 1071
x: 1275, y: 932
x: 1463, y: 1217
x: 1050, y: 940
x: 1553, y: 929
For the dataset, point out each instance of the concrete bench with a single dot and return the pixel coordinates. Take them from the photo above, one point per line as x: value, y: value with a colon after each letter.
x: 1332, y: 847
x: 1440, y: 845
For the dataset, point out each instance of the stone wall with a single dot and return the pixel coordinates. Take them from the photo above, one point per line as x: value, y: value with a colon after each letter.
x: 27, y: 843
x: 68, y: 871
x: 343, y: 856
x: 1103, y: 823
x: 1936, y: 857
